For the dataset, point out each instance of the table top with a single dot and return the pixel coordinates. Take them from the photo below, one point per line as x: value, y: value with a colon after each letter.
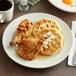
x: 10, y: 68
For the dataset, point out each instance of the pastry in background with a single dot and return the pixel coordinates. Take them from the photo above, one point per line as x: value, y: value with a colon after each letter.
x: 68, y: 2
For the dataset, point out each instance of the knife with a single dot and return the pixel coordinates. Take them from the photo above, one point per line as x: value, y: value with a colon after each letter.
x: 72, y: 53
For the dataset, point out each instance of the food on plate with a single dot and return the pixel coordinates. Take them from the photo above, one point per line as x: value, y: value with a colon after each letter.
x: 24, y: 30
x: 29, y: 48
x: 53, y: 42
x: 68, y: 2
x: 45, y: 24
x: 43, y: 37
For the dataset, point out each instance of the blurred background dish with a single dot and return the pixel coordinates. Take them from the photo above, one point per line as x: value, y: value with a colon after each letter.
x: 65, y: 5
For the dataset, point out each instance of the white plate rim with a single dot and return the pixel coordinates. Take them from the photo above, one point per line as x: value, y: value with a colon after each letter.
x: 30, y: 66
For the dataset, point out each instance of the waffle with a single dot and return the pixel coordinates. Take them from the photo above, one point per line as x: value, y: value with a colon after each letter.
x: 29, y: 48
x: 45, y: 24
x: 24, y: 30
x: 53, y: 41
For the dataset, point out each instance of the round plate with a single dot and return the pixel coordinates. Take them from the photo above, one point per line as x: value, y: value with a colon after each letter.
x: 37, y: 63
x: 60, y: 5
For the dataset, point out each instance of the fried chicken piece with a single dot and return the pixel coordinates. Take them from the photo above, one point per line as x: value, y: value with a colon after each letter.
x: 29, y: 48
x: 24, y: 30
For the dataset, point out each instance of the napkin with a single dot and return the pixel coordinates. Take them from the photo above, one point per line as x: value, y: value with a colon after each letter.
x: 72, y: 53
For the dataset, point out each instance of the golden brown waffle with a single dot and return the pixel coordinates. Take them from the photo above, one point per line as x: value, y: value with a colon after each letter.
x: 29, y: 48
x: 24, y: 30
x: 45, y: 24
x: 53, y: 41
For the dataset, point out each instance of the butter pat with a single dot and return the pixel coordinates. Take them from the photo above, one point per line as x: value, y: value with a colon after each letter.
x: 47, y: 34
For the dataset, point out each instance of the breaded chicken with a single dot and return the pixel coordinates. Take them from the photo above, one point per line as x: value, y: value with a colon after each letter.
x: 24, y: 30
x: 29, y: 48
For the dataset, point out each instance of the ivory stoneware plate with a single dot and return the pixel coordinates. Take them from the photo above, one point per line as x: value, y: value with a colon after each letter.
x: 37, y: 63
